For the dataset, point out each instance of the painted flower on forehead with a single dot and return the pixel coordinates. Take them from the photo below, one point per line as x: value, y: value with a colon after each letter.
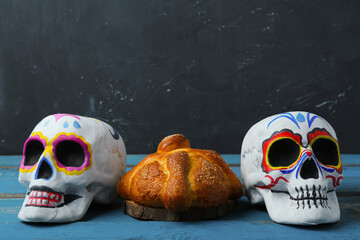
x: 291, y: 162
x: 68, y: 161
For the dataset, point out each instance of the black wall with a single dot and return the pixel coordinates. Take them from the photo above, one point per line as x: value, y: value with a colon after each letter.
x: 207, y: 69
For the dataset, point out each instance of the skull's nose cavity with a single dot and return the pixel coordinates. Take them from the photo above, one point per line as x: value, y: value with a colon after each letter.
x: 309, y: 169
x: 44, y: 170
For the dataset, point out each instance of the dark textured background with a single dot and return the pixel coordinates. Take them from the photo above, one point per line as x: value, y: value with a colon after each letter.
x: 207, y: 69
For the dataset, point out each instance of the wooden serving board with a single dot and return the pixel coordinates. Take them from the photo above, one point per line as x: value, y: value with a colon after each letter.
x: 193, y: 214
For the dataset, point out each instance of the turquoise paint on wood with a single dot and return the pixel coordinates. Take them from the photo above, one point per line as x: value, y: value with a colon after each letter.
x: 108, y: 221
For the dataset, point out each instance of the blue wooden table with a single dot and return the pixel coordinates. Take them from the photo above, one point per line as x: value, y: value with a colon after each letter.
x: 108, y: 221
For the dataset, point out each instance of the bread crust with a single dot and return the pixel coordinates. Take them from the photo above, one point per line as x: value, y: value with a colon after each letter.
x: 177, y: 195
x: 178, y: 177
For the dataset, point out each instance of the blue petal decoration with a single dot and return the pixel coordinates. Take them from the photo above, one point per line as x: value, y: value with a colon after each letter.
x: 300, y: 117
x: 65, y: 125
x: 76, y: 124
x: 311, y: 120
x: 46, y: 123
x: 285, y: 115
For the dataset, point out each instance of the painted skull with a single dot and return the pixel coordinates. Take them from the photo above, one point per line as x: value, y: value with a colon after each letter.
x: 291, y: 161
x: 68, y: 161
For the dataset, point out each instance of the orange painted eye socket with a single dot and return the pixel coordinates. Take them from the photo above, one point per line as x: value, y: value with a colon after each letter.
x: 282, y: 151
x: 325, y: 148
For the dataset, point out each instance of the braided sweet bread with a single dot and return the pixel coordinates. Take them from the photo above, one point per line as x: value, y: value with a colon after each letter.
x: 178, y: 177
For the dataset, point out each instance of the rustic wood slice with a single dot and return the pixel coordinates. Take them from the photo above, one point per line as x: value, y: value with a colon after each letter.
x: 193, y: 214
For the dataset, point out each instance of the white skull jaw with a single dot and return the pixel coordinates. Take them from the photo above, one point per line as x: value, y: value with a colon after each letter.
x: 291, y: 163
x: 46, y: 205
x: 308, y: 203
x: 306, y: 211
x: 68, y: 162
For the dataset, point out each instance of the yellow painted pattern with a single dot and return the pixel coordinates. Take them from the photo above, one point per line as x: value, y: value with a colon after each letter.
x: 49, y: 151
x: 282, y: 167
x: 62, y: 169
x: 337, y: 146
x: 41, y: 136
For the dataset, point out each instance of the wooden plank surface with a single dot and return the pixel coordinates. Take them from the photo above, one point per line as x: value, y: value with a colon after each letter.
x: 108, y: 221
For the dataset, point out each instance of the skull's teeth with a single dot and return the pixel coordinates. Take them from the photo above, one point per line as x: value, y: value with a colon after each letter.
x: 307, y: 197
x: 45, y: 199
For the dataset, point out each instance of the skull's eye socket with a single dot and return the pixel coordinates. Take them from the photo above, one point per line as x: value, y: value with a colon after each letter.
x: 283, y: 152
x: 33, y: 151
x: 70, y: 154
x: 326, y: 151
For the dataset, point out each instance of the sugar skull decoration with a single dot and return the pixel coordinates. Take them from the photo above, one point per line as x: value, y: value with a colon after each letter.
x: 291, y: 161
x: 69, y: 161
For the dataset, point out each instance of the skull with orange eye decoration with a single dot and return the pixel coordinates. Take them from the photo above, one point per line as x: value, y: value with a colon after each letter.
x: 291, y: 161
x: 69, y: 161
